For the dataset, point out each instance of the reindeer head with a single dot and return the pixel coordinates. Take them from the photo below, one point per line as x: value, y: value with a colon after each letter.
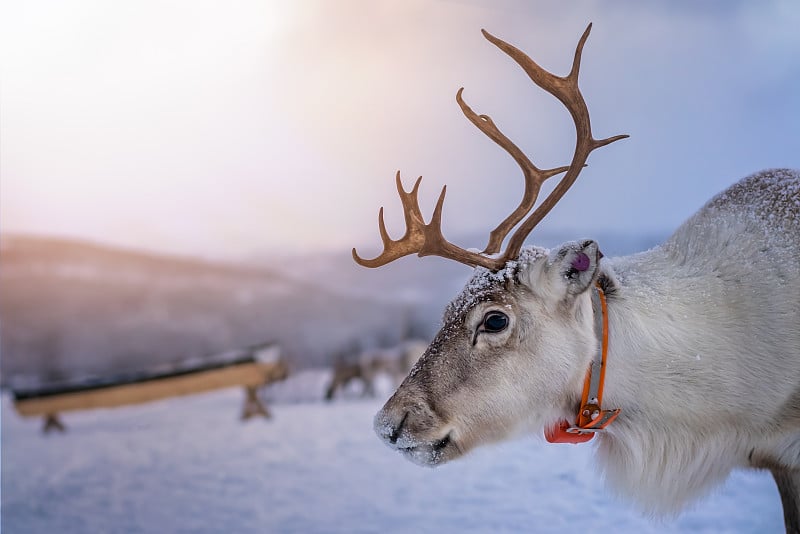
x: 516, y: 343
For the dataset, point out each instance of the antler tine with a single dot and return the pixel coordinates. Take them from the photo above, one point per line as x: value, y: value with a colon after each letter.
x: 420, y: 238
x: 411, y: 241
x: 566, y: 90
x: 534, y: 177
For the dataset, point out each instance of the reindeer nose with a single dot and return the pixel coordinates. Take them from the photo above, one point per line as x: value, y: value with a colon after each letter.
x: 388, y: 425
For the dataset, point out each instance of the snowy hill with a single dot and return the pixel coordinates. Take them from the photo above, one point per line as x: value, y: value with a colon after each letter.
x: 71, y: 309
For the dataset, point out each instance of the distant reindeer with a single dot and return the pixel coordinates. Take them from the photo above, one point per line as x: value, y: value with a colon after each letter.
x: 365, y: 367
x: 696, y: 343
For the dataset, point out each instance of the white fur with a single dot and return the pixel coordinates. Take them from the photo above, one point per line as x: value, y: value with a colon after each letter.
x: 705, y: 354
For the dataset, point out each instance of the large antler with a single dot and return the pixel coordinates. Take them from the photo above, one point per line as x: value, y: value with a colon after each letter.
x: 427, y: 239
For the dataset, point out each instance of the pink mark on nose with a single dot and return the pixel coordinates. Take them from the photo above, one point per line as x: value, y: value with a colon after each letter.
x: 581, y: 262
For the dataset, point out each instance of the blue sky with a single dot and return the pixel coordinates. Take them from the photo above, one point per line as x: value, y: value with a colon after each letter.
x: 236, y: 129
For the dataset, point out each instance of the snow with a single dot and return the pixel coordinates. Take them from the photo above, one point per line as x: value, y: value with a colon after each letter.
x: 483, y: 281
x: 189, y: 465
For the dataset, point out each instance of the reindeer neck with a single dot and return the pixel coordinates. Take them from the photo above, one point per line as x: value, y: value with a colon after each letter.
x: 656, y: 314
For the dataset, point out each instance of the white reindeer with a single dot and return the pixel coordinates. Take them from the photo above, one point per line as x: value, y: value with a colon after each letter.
x: 702, y: 336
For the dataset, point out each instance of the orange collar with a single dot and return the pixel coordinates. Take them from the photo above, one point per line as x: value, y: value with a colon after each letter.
x: 591, y: 416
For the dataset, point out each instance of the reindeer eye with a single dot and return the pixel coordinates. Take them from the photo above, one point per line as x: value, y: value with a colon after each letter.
x: 495, y: 321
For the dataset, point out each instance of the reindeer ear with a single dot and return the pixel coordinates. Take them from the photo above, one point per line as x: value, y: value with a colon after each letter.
x: 574, y: 266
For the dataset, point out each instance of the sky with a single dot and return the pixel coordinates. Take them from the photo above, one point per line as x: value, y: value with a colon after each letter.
x: 248, y: 128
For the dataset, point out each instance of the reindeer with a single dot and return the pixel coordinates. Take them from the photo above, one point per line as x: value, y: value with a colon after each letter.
x: 366, y: 366
x: 695, y: 343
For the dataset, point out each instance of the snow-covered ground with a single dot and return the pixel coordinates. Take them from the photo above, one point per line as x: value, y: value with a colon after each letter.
x: 189, y: 465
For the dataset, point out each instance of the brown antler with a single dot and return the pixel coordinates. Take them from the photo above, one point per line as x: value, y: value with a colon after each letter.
x: 427, y: 239
x: 420, y: 238
x: 534, y: 177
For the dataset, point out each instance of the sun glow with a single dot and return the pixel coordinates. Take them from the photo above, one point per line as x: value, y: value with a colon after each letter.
x: 223, y: 129
x: 133, y: 121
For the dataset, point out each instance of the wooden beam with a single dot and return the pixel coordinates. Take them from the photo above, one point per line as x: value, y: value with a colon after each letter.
x: 245, y: 374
